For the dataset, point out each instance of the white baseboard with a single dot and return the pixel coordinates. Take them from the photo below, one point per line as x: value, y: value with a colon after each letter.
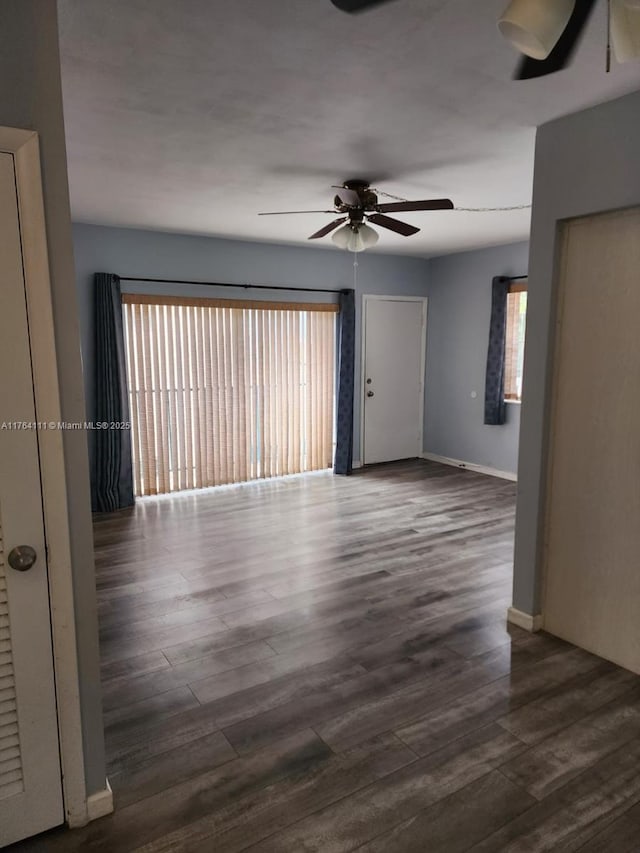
x: 100, y: 803
x: 470, y: 466
x: 524, y: 620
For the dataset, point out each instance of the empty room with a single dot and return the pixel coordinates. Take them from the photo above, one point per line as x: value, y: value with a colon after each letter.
x: 319, y: 426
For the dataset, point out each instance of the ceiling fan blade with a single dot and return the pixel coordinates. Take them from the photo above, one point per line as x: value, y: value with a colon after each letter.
x: 393, y: 224
x: 562, y: 53
x: 348, y: 196
x: 291, y: 212
x: 429, y: 204
x: 328, y: 228
x: 353, y: 6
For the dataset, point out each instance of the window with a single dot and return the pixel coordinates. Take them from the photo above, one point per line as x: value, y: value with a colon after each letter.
x: 514, y: 347
x: 223, y: 391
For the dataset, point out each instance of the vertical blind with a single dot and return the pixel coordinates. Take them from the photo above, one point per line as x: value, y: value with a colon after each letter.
x: 223, y: 391
x: 514, y: 344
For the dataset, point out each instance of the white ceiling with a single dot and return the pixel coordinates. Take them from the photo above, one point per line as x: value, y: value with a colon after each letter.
x: 193, y: 115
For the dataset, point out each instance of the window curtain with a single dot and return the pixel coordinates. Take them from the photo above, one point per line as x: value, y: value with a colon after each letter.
x: 495, y: 410
x: 113, y: 475
x: 343, y: 460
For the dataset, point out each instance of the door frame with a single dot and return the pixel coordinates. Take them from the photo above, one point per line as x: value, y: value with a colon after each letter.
x: 559, y: 294
x: 371, y: 297
x: 23, y: 145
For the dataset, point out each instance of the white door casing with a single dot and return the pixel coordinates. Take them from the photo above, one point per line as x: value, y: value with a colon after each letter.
x: 30, y: 774
x: 392, y: 387
x: 592, y: 536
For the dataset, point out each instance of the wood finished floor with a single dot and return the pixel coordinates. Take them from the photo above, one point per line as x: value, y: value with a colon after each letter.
x: 323, y: 664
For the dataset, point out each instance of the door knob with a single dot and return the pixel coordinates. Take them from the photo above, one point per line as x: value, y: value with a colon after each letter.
x: 22, y: 557
x: 370, y: 394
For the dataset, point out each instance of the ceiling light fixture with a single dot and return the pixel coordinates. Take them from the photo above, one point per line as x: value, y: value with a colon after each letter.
x: 625, y: 29
x: 534, y: 26
x: 355, y: 237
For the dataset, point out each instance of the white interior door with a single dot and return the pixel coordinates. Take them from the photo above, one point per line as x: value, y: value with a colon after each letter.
x: 30, y: 779
x: 592, y: 572
x: 393, y: 386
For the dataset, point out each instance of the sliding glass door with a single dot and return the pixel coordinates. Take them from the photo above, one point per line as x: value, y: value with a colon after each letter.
x: 225, y: 392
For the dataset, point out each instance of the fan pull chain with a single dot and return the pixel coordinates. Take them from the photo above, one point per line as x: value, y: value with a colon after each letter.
x: 355, y: 272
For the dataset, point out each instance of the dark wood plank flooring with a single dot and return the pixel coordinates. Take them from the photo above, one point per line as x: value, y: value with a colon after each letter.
x: 323, y: 664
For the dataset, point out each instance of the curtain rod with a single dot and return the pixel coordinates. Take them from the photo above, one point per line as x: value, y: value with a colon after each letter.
x: 225, y: 284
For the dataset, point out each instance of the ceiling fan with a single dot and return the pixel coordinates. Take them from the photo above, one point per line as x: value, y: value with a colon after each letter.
x: 547, y: 32
x: 358, y: 202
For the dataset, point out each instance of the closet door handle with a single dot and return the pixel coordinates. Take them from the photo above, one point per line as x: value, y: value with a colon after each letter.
x: 22, y: 557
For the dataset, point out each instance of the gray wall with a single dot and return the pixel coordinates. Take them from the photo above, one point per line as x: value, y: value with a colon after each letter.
x: 585, y: 163
x: 459, y: 316
x: 30, y: 97
x: 150, y: 254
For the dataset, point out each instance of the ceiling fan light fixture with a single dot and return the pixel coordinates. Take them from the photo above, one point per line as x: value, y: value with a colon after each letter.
x: 534, y: 26
x: 625, y: 29
x: 355, y: 238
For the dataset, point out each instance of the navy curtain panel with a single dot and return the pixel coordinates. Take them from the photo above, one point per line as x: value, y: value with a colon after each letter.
x: 343, y: 461
x: 495, y: 410
x: 113, y: 473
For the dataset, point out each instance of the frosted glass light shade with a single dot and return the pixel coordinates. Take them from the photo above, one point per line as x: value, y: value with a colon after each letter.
x: 368, y: 236
x: 534, y: 26
x: 625, y: 29
x: 341, y: 236
x: 355, y: 239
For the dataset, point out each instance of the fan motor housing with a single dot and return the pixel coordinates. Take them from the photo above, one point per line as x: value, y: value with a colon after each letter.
x: 367, y: 199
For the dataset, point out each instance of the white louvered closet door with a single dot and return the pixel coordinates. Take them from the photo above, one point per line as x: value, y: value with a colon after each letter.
x: 30, y: 779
